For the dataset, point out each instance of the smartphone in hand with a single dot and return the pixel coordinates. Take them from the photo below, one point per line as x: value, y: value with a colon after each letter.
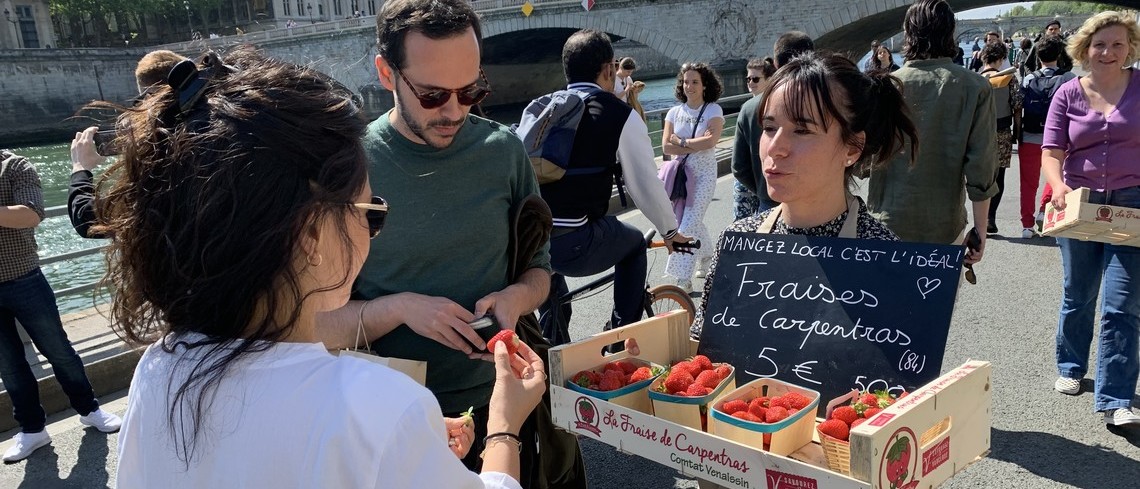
x: 486, y: 327
x: 105, y: 143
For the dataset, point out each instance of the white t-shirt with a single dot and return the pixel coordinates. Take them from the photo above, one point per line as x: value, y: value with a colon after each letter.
x: 621, y: 85
x: 683, y: 117
x: 292, y: 416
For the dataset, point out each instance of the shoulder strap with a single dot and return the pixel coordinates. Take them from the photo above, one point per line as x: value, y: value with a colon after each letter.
x: 850, y: 227
x: 770, y: 221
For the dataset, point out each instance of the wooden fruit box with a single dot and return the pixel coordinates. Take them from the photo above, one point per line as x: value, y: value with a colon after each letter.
x: 933, y: 433
x: 1092, y: 222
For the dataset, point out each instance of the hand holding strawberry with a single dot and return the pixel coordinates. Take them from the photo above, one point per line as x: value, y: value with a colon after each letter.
x: 517, y: 390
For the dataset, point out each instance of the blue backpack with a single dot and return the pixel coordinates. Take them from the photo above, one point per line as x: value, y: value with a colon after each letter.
x: 547, y: 129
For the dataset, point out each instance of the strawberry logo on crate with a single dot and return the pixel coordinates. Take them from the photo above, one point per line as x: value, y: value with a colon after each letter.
x: 587, y: 414
x: 1103, y: 213
x: 900, y: 461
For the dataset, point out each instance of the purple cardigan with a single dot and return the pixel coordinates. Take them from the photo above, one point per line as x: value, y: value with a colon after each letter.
x: 1101, y: 153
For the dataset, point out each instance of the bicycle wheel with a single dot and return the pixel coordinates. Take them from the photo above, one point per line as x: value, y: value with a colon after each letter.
x: 667, y: 298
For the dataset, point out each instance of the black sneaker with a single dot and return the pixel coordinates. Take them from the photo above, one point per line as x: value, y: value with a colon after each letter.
x: 992, y: 228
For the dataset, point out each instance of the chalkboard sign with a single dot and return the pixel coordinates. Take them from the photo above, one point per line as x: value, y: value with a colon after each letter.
x: 831, y: 314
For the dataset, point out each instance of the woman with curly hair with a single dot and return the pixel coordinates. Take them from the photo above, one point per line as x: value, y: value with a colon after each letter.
x: 692, y: 130
x: 239, y: 210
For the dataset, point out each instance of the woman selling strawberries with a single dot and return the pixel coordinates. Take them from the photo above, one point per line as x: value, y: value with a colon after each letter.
x: 823, y: 120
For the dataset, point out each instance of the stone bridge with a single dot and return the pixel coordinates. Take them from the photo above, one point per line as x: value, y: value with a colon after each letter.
x: 521, y: 53
x: 1028, y: 26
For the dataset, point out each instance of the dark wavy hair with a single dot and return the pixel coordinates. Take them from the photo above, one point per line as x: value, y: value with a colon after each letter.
x: 436, y: 19
x: 928, y: 30
x: 832, y: 86
x: 994, y: 51
x: 765, y: 66
x: 709, y: 78
x: 206, y: 209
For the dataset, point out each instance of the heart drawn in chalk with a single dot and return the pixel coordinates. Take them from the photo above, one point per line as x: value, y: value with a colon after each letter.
x: 927, y: 285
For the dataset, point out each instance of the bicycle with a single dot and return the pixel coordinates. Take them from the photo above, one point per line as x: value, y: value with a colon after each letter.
x: 658, y: 299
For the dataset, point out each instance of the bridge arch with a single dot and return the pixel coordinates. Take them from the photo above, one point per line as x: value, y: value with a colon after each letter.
x: 507, y: 31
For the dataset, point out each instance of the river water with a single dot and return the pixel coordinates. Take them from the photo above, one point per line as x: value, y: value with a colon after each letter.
x: 56, y: 236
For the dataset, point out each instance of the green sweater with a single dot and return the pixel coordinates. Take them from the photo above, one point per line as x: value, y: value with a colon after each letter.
x: 953, y: 112
x: 446, y: 236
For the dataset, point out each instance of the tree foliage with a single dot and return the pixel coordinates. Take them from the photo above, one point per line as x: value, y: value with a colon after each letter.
x: 1044, y: 9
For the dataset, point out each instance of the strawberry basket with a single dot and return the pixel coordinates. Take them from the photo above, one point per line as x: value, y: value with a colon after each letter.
x: 781, y: 437
x: 631, y: 395
x: 688, y: 410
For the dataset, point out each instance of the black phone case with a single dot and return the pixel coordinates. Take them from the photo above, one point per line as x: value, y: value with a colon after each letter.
x: 486, y: 327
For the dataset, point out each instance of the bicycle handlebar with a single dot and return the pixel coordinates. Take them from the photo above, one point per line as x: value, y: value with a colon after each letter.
x: 682, y: 247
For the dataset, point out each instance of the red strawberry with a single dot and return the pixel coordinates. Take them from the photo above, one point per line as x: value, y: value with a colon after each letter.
x: 869, y: 399
x: 797, y: 400
x: 775, y: 414
x: 757, y: 407
x: 734, y: 406
x: 610, y: 383
x: 846, y: 414
x: 688, y: 367
x: 679, y: 380
x: 612, y: 366
x: 723, y: 371
x: 626, y: 367
x: 641, y: 374
x: 747, y: 416
x: 781, y: 401
x: 582, y: 379
x: 834, y: 428
x: 764, y: 401
x: 508, y: 338
x: 904, y: 394
x: 858, y: 422
x: 870, y: 413
x: 702, y: 362
x: 708, y: 379
x: 697, y: 390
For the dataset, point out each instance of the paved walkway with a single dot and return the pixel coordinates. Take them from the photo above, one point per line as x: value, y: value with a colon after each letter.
x: 1040, y: 439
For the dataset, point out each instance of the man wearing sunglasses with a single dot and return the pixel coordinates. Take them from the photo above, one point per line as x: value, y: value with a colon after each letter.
x: 451, y: 179
x: 746, y: 144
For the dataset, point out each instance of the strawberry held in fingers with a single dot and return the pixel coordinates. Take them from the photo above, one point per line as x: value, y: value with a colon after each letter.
x: 507, y: 338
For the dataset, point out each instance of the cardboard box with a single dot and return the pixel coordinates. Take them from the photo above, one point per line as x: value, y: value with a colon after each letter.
x: 934, y: 432
x: 1092, y: 222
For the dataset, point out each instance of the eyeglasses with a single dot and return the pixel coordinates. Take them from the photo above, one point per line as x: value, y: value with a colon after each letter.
x: 752, y: 79
x: 469, y: 95
x: 376, y: 212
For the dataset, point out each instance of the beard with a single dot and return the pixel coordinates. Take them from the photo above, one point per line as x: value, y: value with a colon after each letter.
x: 420, y: 129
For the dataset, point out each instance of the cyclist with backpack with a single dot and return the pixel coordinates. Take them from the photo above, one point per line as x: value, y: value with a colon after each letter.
x: 1037, y: 92
x: 576, y: 138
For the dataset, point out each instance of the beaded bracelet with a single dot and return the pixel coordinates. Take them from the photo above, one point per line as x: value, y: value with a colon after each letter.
x: 501, y: 437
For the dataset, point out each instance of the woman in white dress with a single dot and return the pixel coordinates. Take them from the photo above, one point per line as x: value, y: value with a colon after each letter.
x: 692, y: 130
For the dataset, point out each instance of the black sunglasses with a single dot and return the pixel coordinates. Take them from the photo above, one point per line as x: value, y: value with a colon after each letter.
x: 376, y: 212
x: 469, y: 95
x: 752, y: 79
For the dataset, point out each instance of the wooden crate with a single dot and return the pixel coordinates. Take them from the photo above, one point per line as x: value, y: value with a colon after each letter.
x: 946, y: 424
x: 1092, y: 222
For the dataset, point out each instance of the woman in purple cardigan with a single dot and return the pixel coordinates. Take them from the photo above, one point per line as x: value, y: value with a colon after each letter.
x: 1092, y: 139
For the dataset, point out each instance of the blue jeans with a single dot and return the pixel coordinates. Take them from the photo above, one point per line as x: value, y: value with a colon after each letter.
x: 30, y: 300
x: 589, y: 250
x: 1086, y: 264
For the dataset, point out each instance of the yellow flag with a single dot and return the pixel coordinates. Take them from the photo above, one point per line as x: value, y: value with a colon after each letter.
x: 527, y: 9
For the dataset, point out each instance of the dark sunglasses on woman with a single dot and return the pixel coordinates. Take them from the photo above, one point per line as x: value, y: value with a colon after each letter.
x: 375, y: 212
x: 469, y: 95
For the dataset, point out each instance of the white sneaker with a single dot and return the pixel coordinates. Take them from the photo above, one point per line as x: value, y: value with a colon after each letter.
x: 1119, y: 417
x: 686, y: 285
x: 1068, y: 386
x: 1028, y: 233
x: 700, y: 273
x: 25, y: 444
x: 102, y: 421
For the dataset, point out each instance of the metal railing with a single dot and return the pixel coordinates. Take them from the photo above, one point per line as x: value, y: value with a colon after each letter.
x: 654, y: 118
x: 58, y: 212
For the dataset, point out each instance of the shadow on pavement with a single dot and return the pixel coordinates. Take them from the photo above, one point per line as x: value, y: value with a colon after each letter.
x: 1065, y: 461
x: 90, y: 470
x: 1044, y: 242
